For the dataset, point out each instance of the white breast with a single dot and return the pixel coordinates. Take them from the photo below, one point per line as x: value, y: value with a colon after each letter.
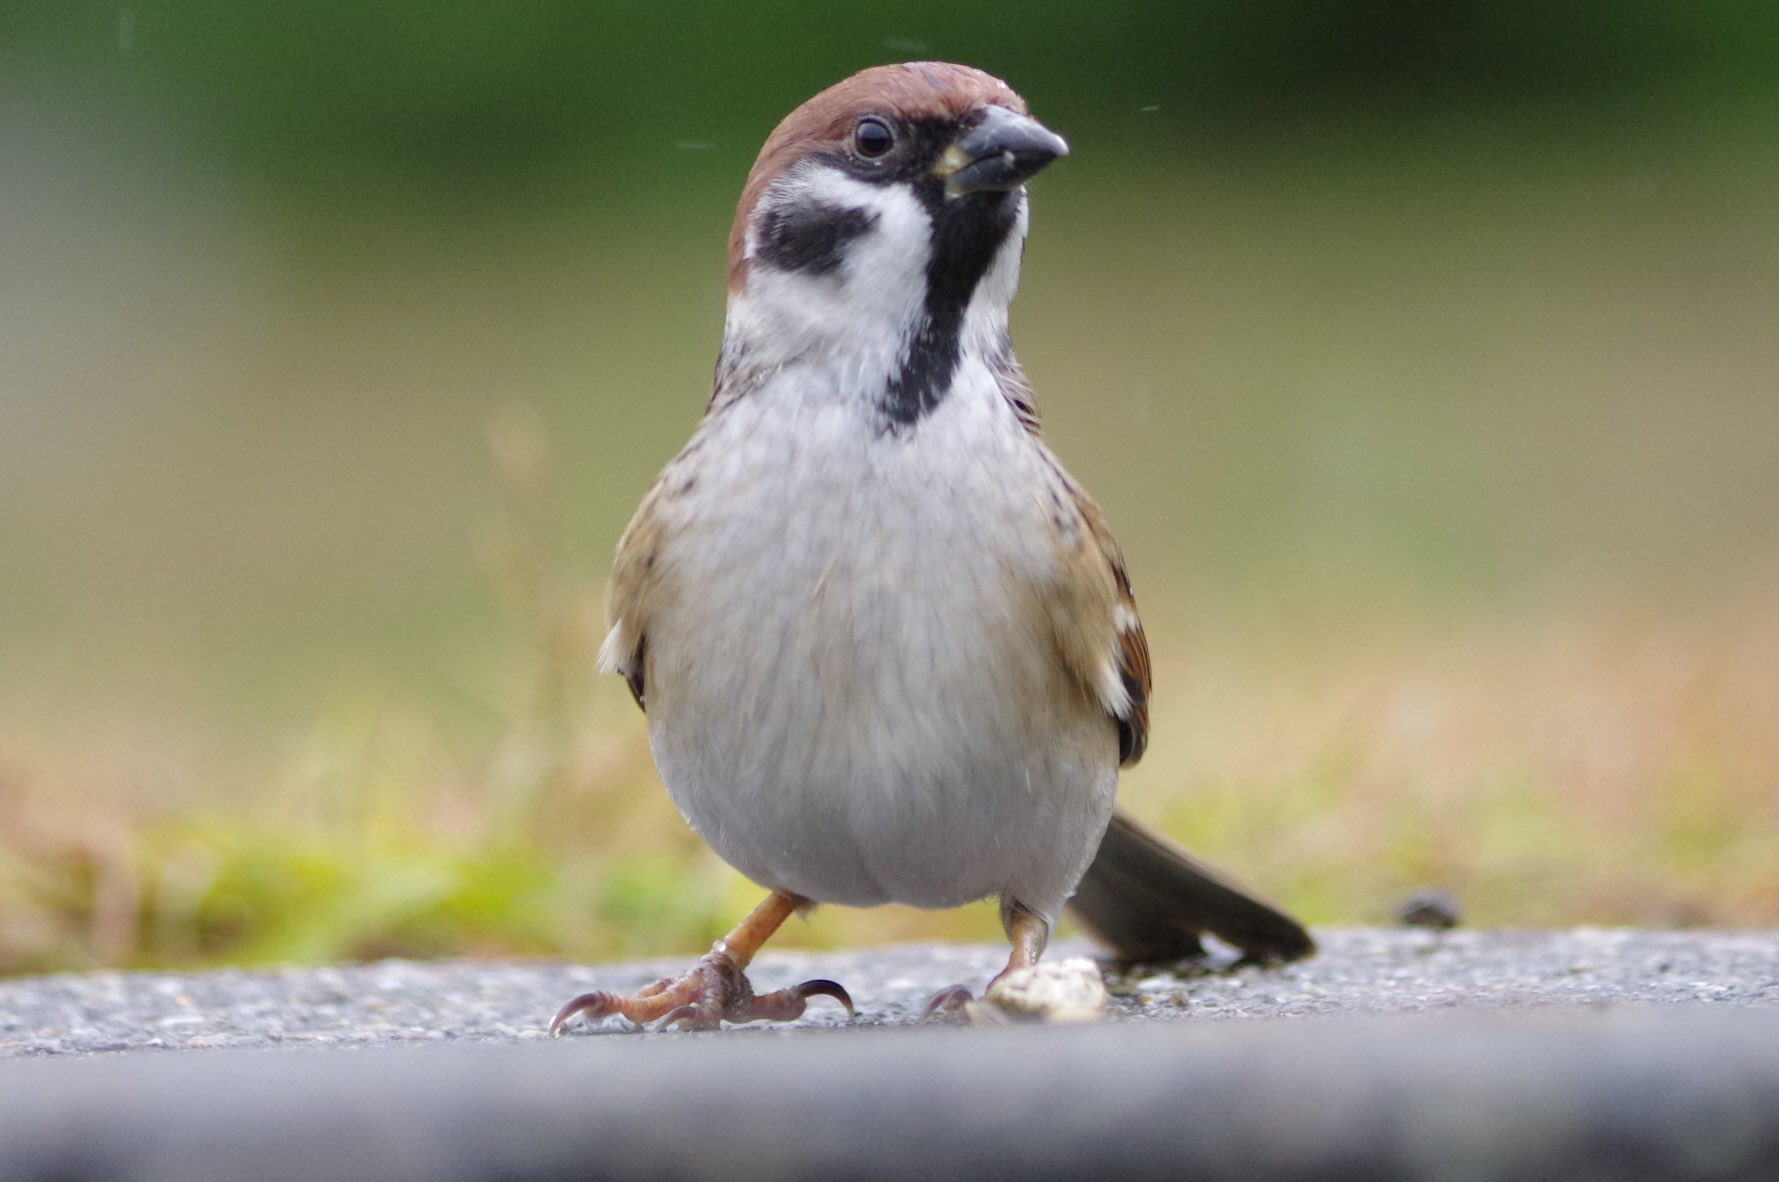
x: 853, y: 691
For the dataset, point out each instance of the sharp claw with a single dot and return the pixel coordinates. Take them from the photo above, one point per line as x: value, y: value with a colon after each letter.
x: 594, y: 1005
x: 689, y: 1015
x: 948, y: 1000
x: 826, y: 988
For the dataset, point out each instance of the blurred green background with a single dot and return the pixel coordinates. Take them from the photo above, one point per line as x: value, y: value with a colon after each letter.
x: 1426, y: 358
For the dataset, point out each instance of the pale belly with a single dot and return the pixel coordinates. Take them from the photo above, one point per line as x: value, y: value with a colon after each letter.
x: 854, y: 692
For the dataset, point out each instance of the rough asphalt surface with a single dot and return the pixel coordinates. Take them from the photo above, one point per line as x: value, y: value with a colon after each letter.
x: 1588, y: 1054
x: 1358, y: 971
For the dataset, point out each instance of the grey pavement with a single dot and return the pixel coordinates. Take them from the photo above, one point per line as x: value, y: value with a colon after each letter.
x: 1359, y: 971
x: 1593, y: 1053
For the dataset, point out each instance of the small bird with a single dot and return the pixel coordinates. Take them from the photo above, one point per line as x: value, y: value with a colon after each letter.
x: 885, y: 643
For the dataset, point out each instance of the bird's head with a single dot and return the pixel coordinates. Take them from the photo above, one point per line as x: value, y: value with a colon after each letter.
x: 881, y: 227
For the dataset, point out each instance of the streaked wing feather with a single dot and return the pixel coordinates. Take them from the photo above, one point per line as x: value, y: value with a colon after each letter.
x: 632, y: 588
x: 1133, y: 646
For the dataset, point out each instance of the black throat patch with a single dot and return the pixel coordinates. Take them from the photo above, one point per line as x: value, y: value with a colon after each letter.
x: 967, y: 234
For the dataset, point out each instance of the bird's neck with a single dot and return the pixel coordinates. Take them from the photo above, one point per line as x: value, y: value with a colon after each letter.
x: 895, y: 348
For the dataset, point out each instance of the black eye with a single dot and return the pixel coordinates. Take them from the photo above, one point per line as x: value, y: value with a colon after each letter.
x: 872, y: 138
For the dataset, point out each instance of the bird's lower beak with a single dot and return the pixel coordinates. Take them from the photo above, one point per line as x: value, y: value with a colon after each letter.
x: 1003, y: 151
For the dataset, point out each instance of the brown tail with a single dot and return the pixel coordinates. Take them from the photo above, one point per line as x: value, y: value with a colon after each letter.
x: 1146, y: 899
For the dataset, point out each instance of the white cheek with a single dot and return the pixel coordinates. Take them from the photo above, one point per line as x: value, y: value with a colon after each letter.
x: 860, y: 316
x: 885, y: 272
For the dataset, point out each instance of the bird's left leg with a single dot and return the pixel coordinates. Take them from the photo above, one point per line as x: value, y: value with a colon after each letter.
x: 1028, y: 933
x: 716, y: 989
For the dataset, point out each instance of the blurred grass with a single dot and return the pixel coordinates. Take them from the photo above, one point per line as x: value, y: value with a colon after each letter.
x: 1574, y: 763
x: 1441, y: 442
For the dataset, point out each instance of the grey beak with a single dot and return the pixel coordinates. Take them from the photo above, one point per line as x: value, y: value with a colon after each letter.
x: 1003, y: 151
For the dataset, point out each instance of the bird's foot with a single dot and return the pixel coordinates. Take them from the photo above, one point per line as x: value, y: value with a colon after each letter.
x: 1064, y: 991
x: 711, y: 992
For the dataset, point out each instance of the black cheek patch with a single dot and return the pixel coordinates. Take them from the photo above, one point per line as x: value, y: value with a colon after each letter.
x: 811, y: 239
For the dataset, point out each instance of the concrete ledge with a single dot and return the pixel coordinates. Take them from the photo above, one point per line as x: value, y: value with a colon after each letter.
x: 1673, y: 1093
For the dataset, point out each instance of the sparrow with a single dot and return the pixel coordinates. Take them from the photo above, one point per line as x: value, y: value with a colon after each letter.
x: 885, y: 643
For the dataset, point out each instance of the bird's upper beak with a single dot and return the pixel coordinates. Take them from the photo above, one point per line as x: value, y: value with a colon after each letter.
x: 1002, y: 151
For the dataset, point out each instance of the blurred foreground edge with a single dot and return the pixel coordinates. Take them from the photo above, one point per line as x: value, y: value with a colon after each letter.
x: 1670, y: 1094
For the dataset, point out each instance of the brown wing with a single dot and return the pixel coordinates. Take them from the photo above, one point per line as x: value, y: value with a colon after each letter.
x: 1133, y: 668
x: 1132, y: 656
x: 633, y: 587
x: 1094, y: 616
